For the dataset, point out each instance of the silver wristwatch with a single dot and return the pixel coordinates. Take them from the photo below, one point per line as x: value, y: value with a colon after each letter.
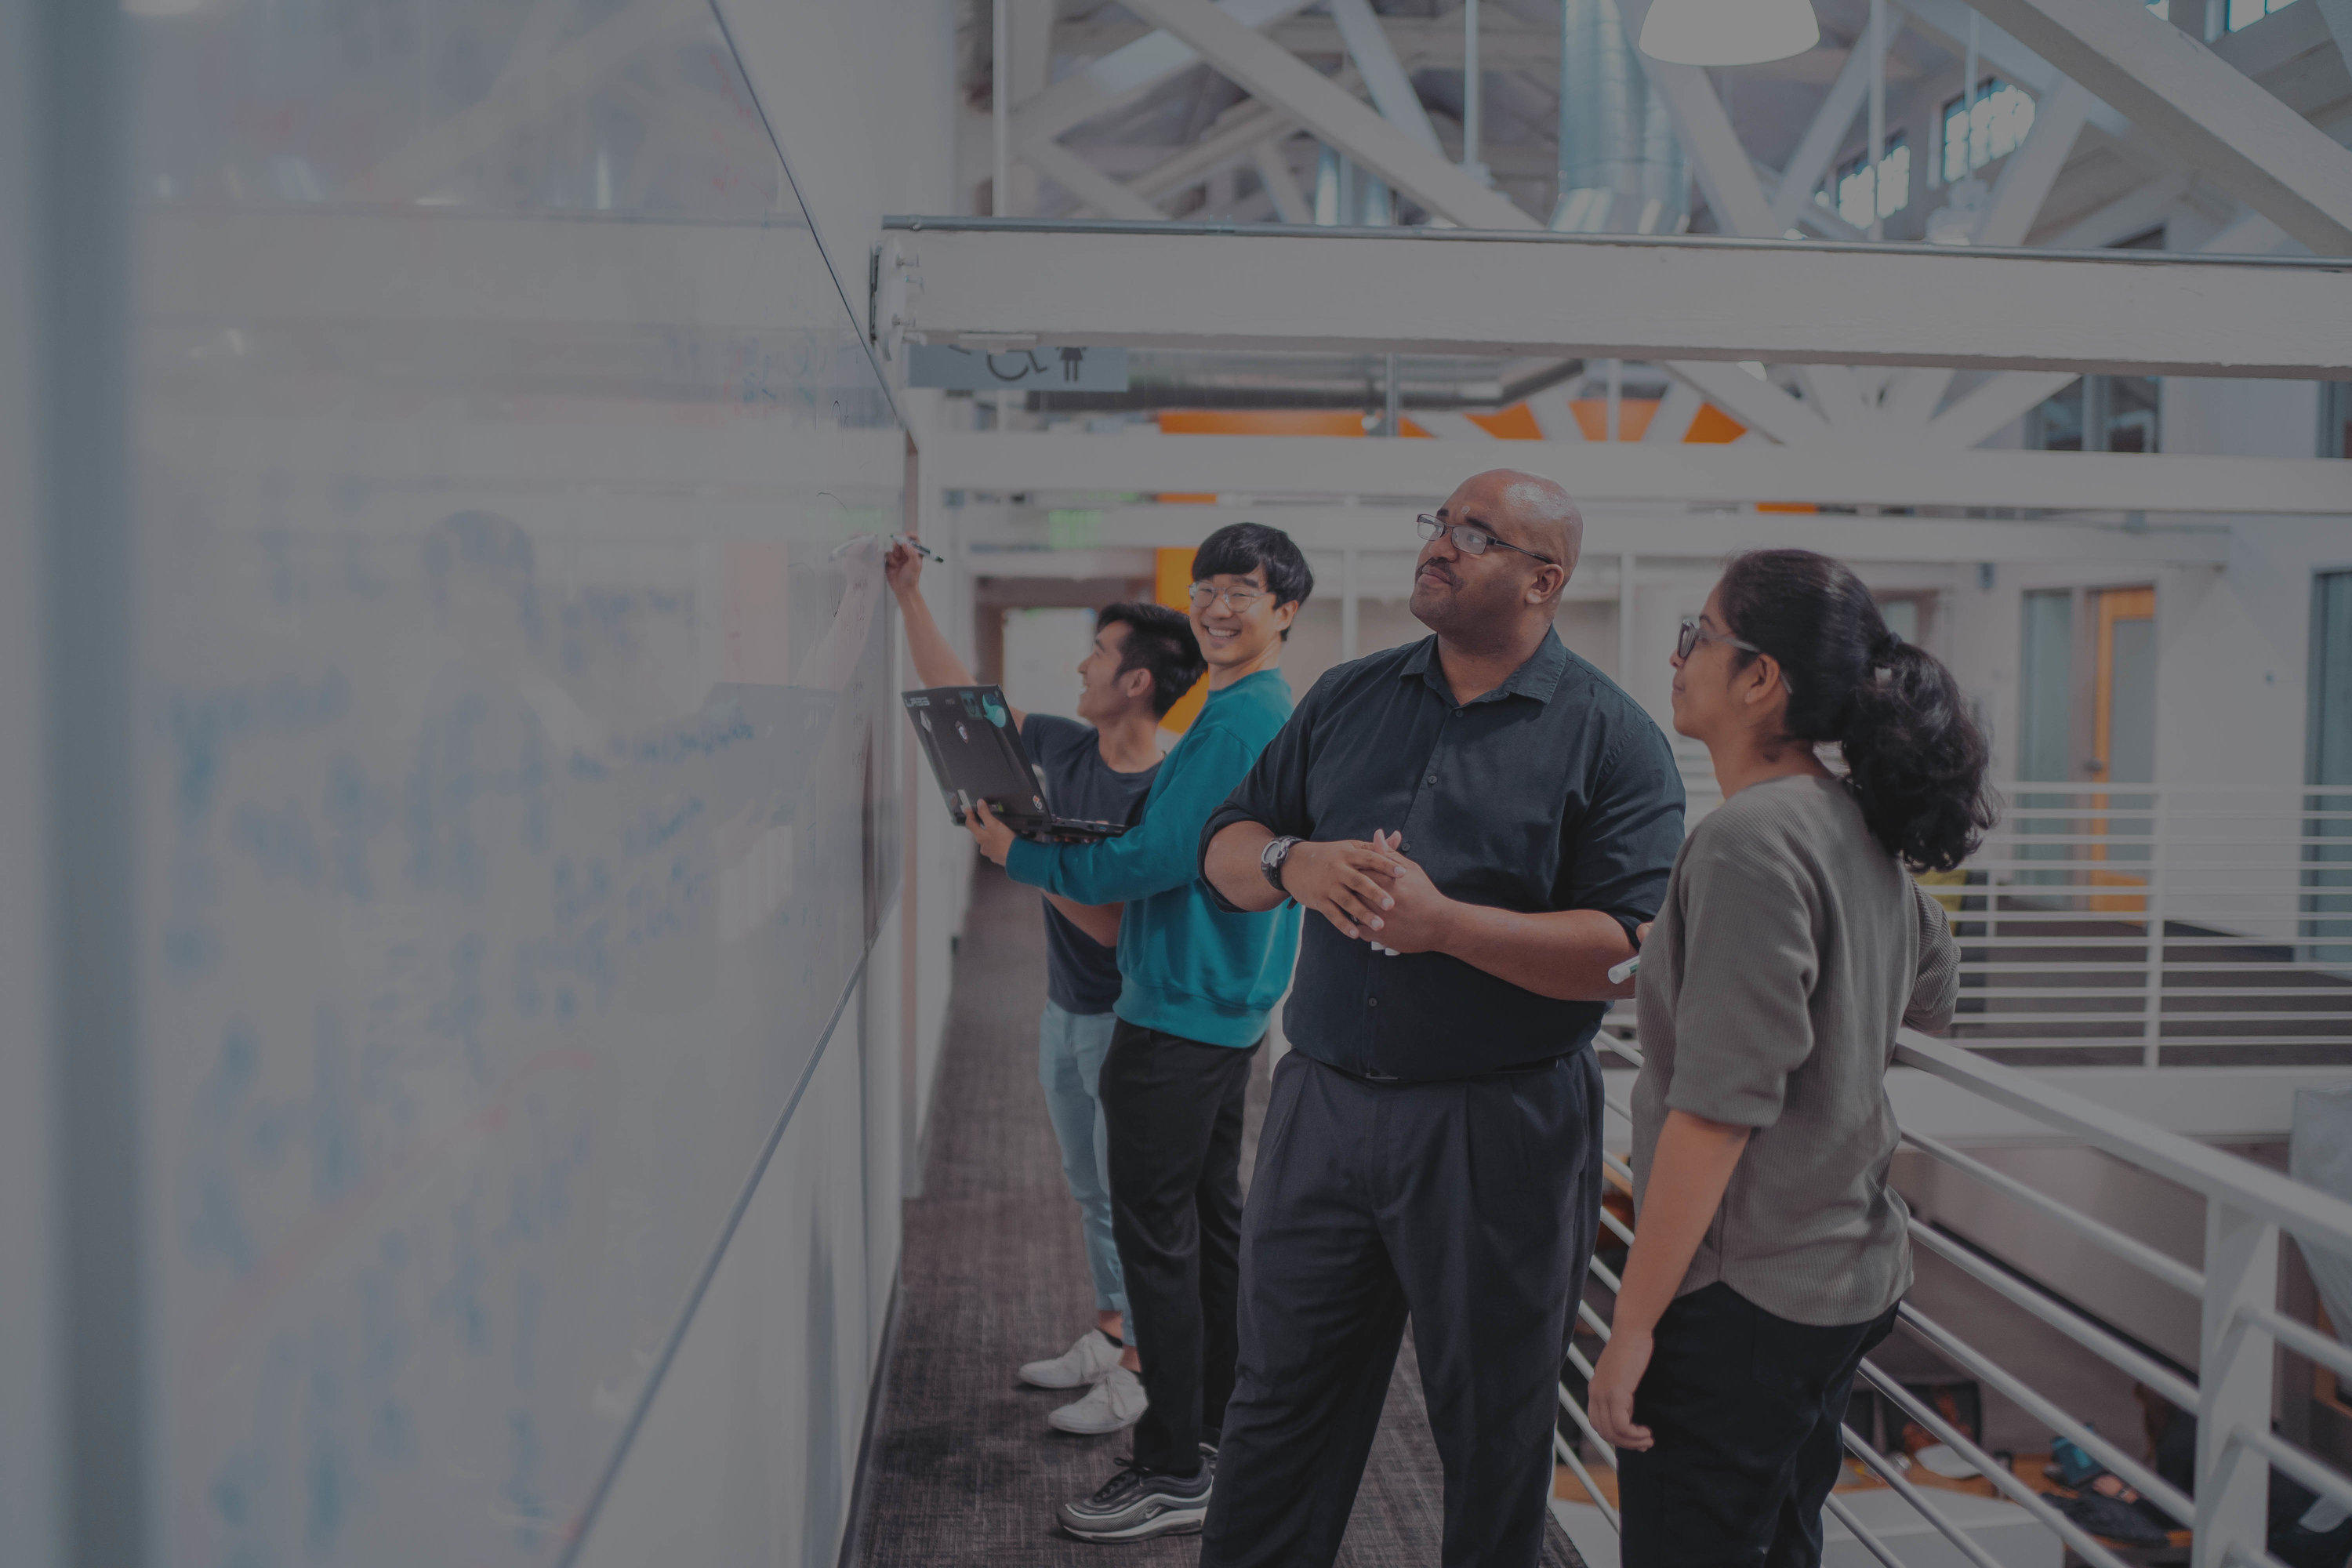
x: 1270, y: 859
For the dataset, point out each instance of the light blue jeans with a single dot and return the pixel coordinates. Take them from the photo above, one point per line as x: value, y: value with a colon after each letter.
x: 1070, y: 1051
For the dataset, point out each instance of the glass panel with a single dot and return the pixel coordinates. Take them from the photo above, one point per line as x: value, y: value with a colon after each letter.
x: 2056, y: 425
x: 2330, y: 746
x: 511, y: 677
x: 2133, y: 412
x: 2046, y: 724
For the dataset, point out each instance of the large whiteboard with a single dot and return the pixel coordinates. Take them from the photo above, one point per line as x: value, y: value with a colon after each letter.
x: 511, y: 662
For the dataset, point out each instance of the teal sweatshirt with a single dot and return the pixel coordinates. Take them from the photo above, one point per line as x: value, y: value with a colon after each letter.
x: 1187, y: 967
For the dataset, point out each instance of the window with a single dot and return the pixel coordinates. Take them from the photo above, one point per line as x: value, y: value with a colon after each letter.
x: 1853, y: 185
x: 2098, y: 414
x: 2246, y: 13
x: 2003, y: 114
x: 2336, y: 418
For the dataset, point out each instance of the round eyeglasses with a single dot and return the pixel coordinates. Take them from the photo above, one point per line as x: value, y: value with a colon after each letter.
x: 1237, y: 601
x: 1470, y: 539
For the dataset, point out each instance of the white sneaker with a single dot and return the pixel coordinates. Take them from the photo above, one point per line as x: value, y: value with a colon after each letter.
x: 1112, y: 1405
x: 1083, y: 1363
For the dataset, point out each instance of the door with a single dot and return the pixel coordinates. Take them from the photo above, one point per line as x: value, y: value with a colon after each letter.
x: 2327, y: 907
x: 2123, y: 741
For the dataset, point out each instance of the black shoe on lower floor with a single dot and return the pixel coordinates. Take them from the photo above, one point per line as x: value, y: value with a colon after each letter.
x: 1137, y: 1504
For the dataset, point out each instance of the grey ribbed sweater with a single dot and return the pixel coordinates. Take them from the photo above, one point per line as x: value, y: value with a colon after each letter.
x: 1788, y: 950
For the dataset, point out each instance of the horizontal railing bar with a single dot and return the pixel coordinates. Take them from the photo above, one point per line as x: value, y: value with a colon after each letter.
x: 1567, y: 1450
x: 2252, y: 1556
x: 2067, y: 1321
x: 2166, y: 1496
x: 1910, y: 1492
x: 2170, y: 1042
x: 2319, y: 1477
x: 2263, y: 1193
x: 2018, y: 1492
x: 2300, y: 1338
x: 2111, y: 1014
x: 2171, y: 1270
x: 1862, y: 1532
x: 2169, y: 992
x: 1600, y: 1271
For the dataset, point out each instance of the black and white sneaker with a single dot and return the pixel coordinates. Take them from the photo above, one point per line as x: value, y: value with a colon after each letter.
x: 1137, y: 1504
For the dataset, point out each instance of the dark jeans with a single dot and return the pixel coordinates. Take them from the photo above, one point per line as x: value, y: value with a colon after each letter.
x: 1172, y: 1111
x: 1471, y: 1207
x: 1743, y: 1408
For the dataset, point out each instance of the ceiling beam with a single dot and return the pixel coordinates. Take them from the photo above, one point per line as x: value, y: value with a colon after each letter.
x: 1609, y: 530
x: 1290, y: 202
x: 1089, y: 185
x: 1992, y: 404
x: 1279, y: 78
x: 2143, y: 208
x: 1383, y: 74
x: 2188, y: 100
x: 1945, y: 22
x: 1843, y: 471
x: 1129, y: 73
x: 1801, y: 175
x: 1755, y: 403
x: 2017, y: 196
x: 1633, y: 296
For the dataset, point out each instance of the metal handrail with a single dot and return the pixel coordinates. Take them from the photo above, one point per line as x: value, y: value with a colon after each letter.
x: 2303, y: 1210
x: 2233, y: 1183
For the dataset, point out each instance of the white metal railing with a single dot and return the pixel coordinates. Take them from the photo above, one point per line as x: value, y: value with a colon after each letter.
x: 2247, y: 1207
x: 2156, y: 924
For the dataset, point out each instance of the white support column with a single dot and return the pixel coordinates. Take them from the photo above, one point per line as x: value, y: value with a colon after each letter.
x: 1348, y: 594
x: 1875, y: 154
x: 999, y: 106
x: 1626, y: 620
x: 1473, y: 90
x: 2234, y: 1376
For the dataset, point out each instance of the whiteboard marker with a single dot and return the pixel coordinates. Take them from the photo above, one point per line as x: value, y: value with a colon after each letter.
x: 1620, y: 973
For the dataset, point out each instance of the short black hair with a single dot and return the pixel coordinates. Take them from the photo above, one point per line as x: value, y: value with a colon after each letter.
x: 1240, y: 548
x: 1161, y: 641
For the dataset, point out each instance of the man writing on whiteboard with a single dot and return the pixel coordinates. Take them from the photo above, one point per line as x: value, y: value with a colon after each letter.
x: 1143, y: 657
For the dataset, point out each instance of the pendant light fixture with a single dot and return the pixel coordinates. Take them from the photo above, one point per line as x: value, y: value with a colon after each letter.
x: 1728, y: 32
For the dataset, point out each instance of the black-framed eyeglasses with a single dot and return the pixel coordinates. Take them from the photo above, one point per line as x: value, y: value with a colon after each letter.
x: 1693, y: 634
x: 1472, y: 540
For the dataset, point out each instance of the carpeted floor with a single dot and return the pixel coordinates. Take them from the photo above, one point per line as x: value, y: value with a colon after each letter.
x: 963, y: 1468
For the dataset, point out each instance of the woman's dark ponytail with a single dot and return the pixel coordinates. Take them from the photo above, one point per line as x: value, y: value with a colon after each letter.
x: 1914, y: 760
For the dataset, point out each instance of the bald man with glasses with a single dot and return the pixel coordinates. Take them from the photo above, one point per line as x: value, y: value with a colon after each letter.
x: 1482, y: 820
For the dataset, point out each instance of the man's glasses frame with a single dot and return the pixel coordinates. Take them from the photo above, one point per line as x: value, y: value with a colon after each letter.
x: 1470, y: 539
x: 1238, y: 600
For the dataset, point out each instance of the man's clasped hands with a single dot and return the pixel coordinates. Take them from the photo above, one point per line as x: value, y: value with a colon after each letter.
x: 1371, y: 891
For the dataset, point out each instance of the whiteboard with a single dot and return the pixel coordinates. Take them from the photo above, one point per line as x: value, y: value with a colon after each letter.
x: 511, y: 666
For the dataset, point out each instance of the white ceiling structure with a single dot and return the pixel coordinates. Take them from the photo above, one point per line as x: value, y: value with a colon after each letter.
x: 1129, y: 135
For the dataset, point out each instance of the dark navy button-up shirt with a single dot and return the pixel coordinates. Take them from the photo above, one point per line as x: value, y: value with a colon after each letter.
x: 1554, y: 791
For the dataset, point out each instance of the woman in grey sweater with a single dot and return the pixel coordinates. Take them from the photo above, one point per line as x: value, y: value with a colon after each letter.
x: 1791, y: 943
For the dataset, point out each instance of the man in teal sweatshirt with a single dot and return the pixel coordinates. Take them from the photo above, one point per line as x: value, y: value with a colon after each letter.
x: 1196, y: 985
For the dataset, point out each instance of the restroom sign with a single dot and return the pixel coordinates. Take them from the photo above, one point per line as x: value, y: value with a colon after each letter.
x: 1042, y: 368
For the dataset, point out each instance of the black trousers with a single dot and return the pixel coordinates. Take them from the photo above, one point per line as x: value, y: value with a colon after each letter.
x: 1744, y: 1409
x: 1172, y: 1112
x: 1470, y: 1206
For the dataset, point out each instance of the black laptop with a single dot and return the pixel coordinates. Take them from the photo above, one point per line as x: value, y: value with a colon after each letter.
x: 976, y: 754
